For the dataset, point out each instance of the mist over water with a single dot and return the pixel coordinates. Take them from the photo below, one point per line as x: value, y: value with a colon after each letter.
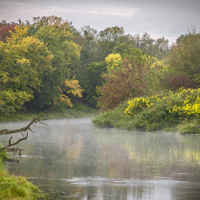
x: 72, y: 159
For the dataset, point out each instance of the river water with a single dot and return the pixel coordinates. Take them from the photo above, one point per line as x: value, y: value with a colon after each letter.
x: 72, y: 159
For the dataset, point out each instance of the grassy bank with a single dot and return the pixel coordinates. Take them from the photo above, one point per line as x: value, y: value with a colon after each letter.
x: 77, y: 111
x: 16, y: 187
x: 179, y: 111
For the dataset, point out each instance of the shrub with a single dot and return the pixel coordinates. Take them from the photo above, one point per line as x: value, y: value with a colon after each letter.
x: 167, y: 109
x: 13, y: 187
x: 190, y: 129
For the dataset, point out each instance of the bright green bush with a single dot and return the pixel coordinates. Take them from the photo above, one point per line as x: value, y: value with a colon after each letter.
x: 16, y: 187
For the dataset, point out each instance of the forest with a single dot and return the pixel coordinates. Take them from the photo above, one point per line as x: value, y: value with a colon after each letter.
x: 49, y: 64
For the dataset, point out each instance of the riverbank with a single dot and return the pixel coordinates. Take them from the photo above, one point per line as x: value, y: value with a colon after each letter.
x: 175, y: 111
x: 77, y: 111
x: 16, y: 187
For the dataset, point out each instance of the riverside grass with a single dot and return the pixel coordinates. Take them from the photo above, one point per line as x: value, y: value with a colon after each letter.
x: 77, y: 111
x: 179, y: 111
x: 16, y: 187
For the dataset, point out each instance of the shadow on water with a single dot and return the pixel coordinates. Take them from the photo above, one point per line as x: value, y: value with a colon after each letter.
x: 71, y: 159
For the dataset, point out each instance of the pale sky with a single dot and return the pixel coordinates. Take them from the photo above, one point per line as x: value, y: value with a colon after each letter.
x: 169, y: 18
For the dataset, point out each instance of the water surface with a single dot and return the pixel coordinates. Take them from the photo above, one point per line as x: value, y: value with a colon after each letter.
x: 71, y: 159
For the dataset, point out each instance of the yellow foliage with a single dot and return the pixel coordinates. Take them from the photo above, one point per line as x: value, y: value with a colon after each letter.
x: 69, y: 87
x: 113, y: 61
x: 73, y: 87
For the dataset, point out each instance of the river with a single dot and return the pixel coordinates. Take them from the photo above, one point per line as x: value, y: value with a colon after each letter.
x: 72, y: 159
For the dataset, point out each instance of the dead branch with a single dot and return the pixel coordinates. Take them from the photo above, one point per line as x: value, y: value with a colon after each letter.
x: 26, y: 128
x: 6, y: 131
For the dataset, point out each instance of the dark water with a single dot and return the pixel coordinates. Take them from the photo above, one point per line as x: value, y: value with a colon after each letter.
x: 71, y: 159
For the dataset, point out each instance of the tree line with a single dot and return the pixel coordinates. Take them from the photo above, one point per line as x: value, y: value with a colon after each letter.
x: 50, y: 63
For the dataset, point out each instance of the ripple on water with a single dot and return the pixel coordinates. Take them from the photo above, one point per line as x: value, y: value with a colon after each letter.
x: 97, y: 181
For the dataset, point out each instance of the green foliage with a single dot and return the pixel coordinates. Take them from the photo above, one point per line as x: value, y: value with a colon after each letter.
x: 154, y: 47
x: 190, y: 129
x: 184, y: 58
x: 90, y: 78
x: 13, y: 187
x: 167, y: 109
x: 16, y: 187
x: 157, y: 112
x: 114, y: 118
x: 89, y: 46
x: 138, y: 75
x: 108, y: 39
x: 23, y: 61
x: 3, y: 155
x: 57, y: 35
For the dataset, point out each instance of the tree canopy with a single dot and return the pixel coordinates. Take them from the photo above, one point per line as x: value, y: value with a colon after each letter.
x: 50, y: 63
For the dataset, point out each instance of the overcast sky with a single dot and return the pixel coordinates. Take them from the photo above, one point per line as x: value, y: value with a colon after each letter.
x: 168, y: 18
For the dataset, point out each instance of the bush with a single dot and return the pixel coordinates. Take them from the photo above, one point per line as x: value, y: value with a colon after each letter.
x: 3, y: 155
x: 114, y: 118
x: 190, y: 129
x: 13, y: 187
x: 157, y: 112
x: 16, y: 187
x: 167, y: 109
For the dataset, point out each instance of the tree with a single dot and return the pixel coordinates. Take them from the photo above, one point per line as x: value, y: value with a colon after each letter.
x: 89, y: 80
x: 154, y: 47
x: 5, y: 31
x: 121, y: 81
x: 89, y: 46
x: 184, y: 59
x: 160, y: 48
x: 139, y: 74
x: 108, y: 39
x: 113, y: 62
x: 69, y: 89
x: 57, y: 35
x: 23, y: 62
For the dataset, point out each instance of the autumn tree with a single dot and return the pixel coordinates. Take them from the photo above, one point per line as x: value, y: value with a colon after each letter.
x: 5, y: 31
x: 57, y: 35
x: 23, y: 62
x: 137, y: 75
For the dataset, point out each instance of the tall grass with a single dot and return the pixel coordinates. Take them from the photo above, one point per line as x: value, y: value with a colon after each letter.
x: 114, y: 118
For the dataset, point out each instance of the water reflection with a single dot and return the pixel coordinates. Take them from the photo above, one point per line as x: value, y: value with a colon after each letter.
x: 74, y: 160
